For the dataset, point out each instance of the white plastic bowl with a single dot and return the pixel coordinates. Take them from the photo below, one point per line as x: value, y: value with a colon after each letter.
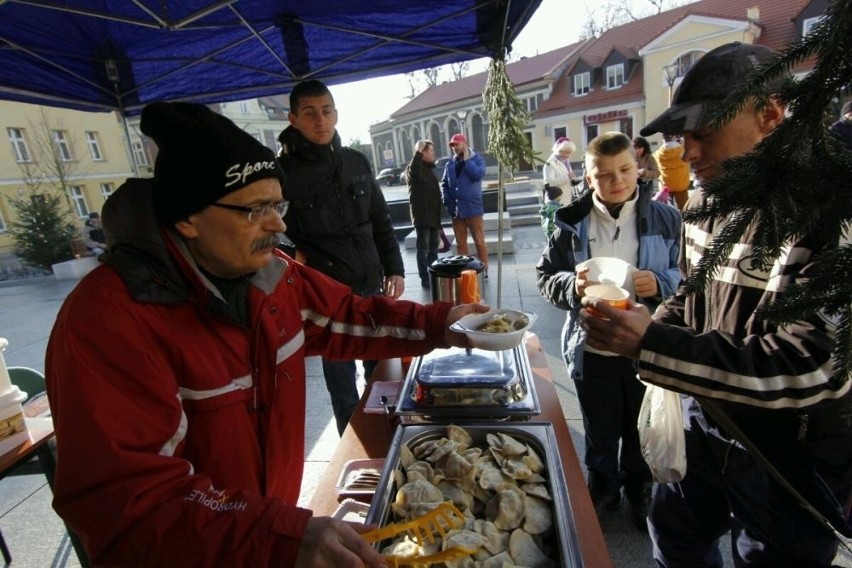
x: 606, y: 270
x: 520, y: 322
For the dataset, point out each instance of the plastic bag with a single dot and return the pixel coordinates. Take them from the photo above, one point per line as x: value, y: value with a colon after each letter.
x: 661, y: 435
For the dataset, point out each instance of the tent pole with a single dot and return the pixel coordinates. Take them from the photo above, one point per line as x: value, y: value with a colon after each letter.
x: 500, y: 201
x: 127, y: 146
x: 112, y: 75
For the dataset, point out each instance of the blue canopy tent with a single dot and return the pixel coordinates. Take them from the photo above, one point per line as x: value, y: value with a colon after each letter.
x: 104, y: 55
x: 119, y: 55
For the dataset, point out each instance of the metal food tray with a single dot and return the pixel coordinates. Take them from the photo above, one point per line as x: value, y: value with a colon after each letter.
x: 539, y: 435
x: 505, y: 389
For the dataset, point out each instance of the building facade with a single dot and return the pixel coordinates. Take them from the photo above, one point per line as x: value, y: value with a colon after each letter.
x: 81, y: 154
x: 453, y: 107
x: 86, y: 155
x: 616, y: 82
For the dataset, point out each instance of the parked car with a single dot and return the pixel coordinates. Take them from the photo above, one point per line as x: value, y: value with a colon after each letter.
x: 390, y: 176
x: 441, y: 163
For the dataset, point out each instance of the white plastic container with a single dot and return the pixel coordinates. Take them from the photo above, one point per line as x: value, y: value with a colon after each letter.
x: 518, y: 322
x: 606, y: 270
x: 13, y: 427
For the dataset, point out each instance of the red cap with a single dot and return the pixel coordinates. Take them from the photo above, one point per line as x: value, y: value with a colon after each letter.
x: 457, y: 138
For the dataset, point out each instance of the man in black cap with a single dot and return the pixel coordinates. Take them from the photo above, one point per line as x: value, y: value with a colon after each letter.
x: 774, y: 382
x: 176, y: 369
x: 339, y: 220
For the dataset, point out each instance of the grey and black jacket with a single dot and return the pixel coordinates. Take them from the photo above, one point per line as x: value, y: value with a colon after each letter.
x: 776, y: 382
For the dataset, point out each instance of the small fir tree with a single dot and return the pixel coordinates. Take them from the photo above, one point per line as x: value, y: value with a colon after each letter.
x: 41, y: 236
x: 795, y: 183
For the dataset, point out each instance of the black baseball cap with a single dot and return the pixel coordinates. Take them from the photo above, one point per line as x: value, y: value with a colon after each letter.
x: 706, y: 85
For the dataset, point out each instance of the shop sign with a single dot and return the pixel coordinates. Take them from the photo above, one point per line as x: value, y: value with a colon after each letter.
x: 604, y: 116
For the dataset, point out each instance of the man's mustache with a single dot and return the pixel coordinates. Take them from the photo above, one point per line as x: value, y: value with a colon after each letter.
x: 265, y: 242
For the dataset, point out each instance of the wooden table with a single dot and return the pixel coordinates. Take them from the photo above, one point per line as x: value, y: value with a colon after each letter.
x: 40, y: 427
x: 369, y: 436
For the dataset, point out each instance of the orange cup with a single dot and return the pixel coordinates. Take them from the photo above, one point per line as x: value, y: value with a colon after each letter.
x: 470, y: 287
x: 612, y: 295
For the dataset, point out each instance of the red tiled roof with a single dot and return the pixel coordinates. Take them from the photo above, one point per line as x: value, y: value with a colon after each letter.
x: 523, y: 71
x: 777, y: 30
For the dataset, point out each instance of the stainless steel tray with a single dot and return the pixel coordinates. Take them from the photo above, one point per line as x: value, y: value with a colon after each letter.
x: 450, y: 384
x: 540, y: 437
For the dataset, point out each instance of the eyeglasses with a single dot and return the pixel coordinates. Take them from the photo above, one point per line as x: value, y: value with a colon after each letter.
x: 258, y: 213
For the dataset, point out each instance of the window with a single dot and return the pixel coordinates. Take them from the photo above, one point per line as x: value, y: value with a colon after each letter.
x: 79, y: 201
x: 107, y: 189
x: 244, y: 107
x: 686, y: 61
x: 561, y: 132
x: 533, y: 104
x: 615, y: 76
x: 139, y: 155
x: 63, y: 150
x: 2, y: 223
x: 19, y: 144
x: 94, y: 146
x: 625, y: 126
x: 810, y: 23
x: 591, y: 132
x: 582, y: 83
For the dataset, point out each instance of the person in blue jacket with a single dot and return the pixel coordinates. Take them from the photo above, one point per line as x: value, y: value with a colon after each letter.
x: 617, y: 219
x: 462, y: 189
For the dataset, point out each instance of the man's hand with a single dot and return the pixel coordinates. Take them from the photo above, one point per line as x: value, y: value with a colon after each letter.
x: 467, y: 153
x: 616, y: 330
x: 328, y: 542
x: 645, y: 284
x: 454, y: 338
x: 394, y: 286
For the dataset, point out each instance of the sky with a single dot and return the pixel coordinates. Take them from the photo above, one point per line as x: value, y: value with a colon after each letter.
x: 555, y: 24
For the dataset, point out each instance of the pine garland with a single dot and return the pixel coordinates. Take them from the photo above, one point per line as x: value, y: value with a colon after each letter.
x: 796, y: 183
x: 507, y: 118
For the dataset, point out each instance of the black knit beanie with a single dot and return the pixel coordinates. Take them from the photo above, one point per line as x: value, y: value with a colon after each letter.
x: 203, y: 156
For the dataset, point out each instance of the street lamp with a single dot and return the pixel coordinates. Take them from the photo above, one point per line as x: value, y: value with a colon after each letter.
x: 462, y: 114
x: 672, y: 71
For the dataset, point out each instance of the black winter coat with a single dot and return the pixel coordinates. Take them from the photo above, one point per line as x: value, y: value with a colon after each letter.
x: 338, y: 217
x: 424, y: 193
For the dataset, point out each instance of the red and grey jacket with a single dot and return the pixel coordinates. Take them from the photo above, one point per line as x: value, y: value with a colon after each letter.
x: 180, y: 434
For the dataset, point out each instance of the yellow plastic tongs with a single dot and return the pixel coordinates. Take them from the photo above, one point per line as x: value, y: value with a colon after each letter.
x: 452, y: 553
x: 421, y: 529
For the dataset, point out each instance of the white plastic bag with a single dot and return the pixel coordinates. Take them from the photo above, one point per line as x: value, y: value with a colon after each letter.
x: 661, y: 435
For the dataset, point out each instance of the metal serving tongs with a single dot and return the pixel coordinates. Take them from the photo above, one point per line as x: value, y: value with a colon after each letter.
x: 421, y: 529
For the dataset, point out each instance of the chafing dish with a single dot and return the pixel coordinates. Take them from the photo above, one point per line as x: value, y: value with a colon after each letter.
x: 452, y: 384
x: 561, y: 540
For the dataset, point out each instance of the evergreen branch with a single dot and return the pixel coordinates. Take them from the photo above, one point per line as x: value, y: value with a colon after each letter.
x: 507, y: 117
x: 719, y: 250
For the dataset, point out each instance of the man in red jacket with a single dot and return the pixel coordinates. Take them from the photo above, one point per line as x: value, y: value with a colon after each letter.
x: 176, y: 371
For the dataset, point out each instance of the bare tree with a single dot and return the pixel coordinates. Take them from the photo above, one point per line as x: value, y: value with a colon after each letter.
x: 413, y: 81
x: 56, y: 160
x: 459, y: 70
x: 430, y: 75
x: 603, y: 16
x: 419, y: 81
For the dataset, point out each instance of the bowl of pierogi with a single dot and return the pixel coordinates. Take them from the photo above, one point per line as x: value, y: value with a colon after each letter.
x: 496, y: 329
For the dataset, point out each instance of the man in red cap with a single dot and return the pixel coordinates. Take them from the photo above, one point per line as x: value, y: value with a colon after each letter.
x: 462, y: 188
